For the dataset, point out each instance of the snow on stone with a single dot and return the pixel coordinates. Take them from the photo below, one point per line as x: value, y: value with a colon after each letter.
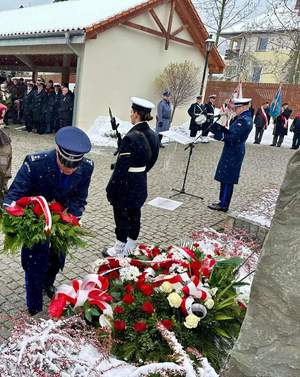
x: 262, y: 211
x: 56, y: 17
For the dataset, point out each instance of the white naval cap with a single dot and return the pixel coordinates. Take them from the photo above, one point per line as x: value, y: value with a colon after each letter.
x: 237, y: 102
x: 142, y: 104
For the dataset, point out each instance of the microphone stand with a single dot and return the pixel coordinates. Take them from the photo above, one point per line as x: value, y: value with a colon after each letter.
x: 191, y: 146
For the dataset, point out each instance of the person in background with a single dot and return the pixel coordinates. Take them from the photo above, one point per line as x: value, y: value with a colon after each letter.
x: 6, y: 100
x: 39, y: 107
x: 281, y: 126
x: 61, y: 174
x: 230, y: 164
x: 57, y: 96
x: 252, y: 110
x: 127, y: 188
x: 210, y: 112
x: 295, y: 128
x: 5, y: 162
x: 27, y: 105
x: 194, y: 111
x: 261, y: 121
x: 65, y: 108
x: 50, y: 104
x: 164, y: 114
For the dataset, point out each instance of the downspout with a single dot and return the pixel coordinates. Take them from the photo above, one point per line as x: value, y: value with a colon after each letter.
x: 78, y: 69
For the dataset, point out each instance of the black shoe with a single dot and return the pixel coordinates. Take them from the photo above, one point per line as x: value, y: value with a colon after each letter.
x: 217, y: 207
x: 33, y: 312
x: 293, y: 148
x: 272, y: 145
x: 161, y: 146
x: 50, y: 291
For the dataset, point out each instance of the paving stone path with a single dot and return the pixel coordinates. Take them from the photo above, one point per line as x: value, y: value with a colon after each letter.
x: 263, y: 167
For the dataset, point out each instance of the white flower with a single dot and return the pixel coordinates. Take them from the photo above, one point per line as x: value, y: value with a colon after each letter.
x: 160, y: 258
x: 166, y: 287
x: 98, y: 263
x: 209, y: 303
x: 174, y: 300
x: 191, y: 321
x: 129, y: 273
x: 213, y: 291
x: 124, y: 262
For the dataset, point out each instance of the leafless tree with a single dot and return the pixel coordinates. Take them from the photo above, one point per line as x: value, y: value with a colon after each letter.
x: 183, y: 81
x: 219, y: 15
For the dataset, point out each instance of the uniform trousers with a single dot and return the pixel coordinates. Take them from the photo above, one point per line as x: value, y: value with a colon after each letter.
x: 206, y: 128
x: 128, y: 223
x: 259, y: 134
x: 277, y: 140
x: 226, y: 191
x: 296, y: 141
x: 41, y: 265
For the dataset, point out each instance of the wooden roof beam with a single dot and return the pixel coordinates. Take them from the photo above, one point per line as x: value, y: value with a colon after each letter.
x: 168, y: 35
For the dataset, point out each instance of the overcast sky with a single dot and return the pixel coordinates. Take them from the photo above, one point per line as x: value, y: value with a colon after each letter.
x: 10, y: 4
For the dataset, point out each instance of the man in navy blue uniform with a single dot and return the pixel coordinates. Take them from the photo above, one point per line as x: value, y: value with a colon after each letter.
x: 229, y: 167
x: 63, y: 175
x: 196, y: 109
x: 127, y: 188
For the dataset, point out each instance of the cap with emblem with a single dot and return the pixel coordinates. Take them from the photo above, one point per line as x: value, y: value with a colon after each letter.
x: 237, y: 102
x: 57, y: 84
x: 141, y: 104
x: 72, y: 145
x: 213, y: 96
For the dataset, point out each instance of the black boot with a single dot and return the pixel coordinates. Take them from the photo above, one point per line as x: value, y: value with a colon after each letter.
x: 217, y: 207
x: 50, y: 291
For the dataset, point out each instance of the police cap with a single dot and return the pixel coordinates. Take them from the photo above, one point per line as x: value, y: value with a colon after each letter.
x: 72, y: 144
x: 237, y: 102
x: 141, y: 104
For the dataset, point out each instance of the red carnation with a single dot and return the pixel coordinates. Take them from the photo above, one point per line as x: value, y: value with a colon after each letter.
x: 129, y: 288
x: 146, y: 289
x: 119, y: 325
x: 69, y: 218
x: 118, y: 310
x: 196, y: 245
x: 56, y: 207
x: 137, y: 263
x: 37, y: 210
x: 167, y: 323
x: 205, y: 271
x: 23, y: 202
x: 140, y: 327
x: 128, y: 299
x: 155, y: 251
x: 148, y: 307
x: 57, y: 306
x: 113, y: 263
x: 15, y: 211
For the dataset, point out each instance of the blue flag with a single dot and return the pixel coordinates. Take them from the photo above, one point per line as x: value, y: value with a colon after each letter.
x: 276, y: 104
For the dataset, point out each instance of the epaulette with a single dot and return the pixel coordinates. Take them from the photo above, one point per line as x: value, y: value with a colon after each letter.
x: 38, y: 156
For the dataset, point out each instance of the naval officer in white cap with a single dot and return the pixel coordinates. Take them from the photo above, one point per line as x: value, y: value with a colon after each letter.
x: 127, y: 188
x: 229, y: 167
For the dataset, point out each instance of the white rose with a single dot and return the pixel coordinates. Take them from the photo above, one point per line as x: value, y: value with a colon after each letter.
x: 167, y: 287
x: 191, y: 321
x: 174, y: 300
x: 209, y: 303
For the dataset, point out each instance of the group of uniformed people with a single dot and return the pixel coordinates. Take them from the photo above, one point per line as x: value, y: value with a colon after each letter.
x: 43, y: 108
x: 63, y: 174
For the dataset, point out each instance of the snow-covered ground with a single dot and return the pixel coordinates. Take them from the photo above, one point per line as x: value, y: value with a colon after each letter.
x: 262, y: 211
x: 102, y: 135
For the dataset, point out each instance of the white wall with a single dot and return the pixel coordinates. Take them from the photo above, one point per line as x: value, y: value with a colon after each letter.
x: 122, y: 63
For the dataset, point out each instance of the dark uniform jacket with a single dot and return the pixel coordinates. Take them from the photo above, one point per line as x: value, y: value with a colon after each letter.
x: 40, y: 175
x: 28, y: 103
x: 259, y: 120
x: 281, y: 123
x: 295, y: 127
x: 139, y: 149
x: 194, y: 111
x: 65, y: 111
x: 210, y: 110
x: 39, y: 104
x: 229, y: 167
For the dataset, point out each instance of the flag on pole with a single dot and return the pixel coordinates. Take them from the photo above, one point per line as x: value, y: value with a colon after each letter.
x: 238, y: 92
x: 276, y: 104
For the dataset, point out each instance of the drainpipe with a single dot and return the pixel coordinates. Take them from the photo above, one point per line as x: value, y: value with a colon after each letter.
x: 78, y: 69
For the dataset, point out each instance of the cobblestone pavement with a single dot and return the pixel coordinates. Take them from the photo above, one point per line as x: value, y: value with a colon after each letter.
x: 263, y: 167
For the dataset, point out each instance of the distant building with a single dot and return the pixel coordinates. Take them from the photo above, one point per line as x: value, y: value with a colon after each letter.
x: 260, y: 50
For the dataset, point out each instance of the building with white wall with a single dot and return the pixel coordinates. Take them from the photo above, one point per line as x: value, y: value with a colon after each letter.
x: 117, y: 48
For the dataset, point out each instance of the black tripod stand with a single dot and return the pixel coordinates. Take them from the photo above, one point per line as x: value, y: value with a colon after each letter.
x: 191, y: 146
